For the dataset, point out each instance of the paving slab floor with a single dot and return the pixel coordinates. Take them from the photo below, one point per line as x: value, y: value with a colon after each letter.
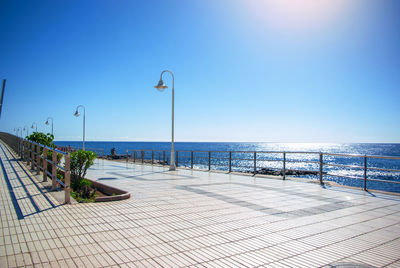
x: 190, y: 218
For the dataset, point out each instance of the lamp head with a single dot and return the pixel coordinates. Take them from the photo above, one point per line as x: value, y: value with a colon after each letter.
x: 47, y: 122
x: 76, y: 113
x: 161, y: 86
x: 32, y: 126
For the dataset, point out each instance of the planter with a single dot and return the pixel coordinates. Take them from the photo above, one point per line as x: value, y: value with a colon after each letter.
x: 109, y: 190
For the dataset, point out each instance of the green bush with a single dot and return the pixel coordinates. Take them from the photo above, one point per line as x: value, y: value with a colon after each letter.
x: 83, y: 191
x: 80, y: 162
x: 60, y: 176
x: 44, y: 139
x: 47, y: 140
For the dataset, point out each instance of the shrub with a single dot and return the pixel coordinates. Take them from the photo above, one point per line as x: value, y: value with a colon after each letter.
x: 80, y: 162
x: 44, y: 139
x: 47, y: 140
x: 83, y: 191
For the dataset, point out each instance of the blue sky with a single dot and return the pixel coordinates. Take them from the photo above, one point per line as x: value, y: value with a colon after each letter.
x: 245, y: 70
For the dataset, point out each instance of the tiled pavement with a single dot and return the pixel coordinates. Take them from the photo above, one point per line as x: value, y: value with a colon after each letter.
x: 194, y: 218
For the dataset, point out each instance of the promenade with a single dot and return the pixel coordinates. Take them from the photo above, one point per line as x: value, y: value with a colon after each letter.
x: 189, y: 218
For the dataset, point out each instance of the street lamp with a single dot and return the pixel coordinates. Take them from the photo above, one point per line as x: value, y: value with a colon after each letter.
x: 47, y: 123
x: 161, y: 86
x: 84, y: 115
x: 34, y: 124
x: 27, y: 130
x: 18, y: 130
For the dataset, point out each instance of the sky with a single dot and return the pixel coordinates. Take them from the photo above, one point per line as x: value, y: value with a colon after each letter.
x: 245, y: 70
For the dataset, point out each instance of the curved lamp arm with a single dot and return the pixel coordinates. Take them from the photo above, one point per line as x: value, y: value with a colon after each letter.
x: 161, y: 86
x: 52, y: 124
x: 34, y: 123
x: 84, y: 118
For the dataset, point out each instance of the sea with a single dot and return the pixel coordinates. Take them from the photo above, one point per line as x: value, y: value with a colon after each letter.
x: 382, y: 173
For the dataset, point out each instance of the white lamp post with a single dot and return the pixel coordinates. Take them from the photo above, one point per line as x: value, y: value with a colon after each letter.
x: 47, y: 123
x: 84, y: 115
x: 18, y: 130
x: 35, y: 125
x: 161, y: 86
x: 27, y: 130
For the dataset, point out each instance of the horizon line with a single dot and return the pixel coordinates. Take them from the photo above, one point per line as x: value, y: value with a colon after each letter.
x: 234, y: 142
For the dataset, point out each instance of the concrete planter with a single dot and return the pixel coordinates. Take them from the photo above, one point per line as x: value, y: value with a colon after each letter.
x: 119, y: 194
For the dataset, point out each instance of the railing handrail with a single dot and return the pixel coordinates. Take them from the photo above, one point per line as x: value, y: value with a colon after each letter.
x: 275, y: 152
x: 235, y: 151
x: 257, y: 156
x: 198, y: 157
x: 26, y: 149
x: 47, y: 147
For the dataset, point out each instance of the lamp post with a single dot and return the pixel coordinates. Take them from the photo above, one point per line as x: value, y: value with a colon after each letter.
x: 18, y: 130
x: 47, y: 123
x: 27, y: 130
x: 35, y: 125
x: 84, y: 115
x: 161, y: 86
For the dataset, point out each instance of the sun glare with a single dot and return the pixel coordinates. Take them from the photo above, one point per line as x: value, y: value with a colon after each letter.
x: 298, y: 15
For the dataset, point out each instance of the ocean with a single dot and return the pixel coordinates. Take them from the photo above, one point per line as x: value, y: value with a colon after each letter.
x: 242, y: 158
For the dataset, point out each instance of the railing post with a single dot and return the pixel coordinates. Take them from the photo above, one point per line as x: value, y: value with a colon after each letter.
x: 230, y: 161
x: 142, y: 152
x: 26, y: 148
x: 32, y: 156
x: 152, y: 157
x: 176, y: 158
x: 54, y: 170
x: 28, y: 156
x: 284, y: 166
x: 38, y: 159
x: 134, y: 156
x: 191, y: 159
x: 255, y: 163
x: 45, y: 164
x: 321, y: 163
x: 22, y: 150
x: 163, y: 153
x: 19, y: 146
x: 127, y: 156
x: 209, y: 160
x: 67, y: 179
x: 365, y: 173
x: 25, y: 154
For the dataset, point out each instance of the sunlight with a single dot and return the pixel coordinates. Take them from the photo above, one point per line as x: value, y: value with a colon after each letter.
x: 298, y: 15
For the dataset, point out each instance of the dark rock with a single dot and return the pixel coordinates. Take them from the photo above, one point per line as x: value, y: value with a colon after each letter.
x: 267, y: 171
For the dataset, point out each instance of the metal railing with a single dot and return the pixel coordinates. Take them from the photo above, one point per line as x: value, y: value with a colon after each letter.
x: 36, y: 156
x: 67, y: 149
x: 323, y: 165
